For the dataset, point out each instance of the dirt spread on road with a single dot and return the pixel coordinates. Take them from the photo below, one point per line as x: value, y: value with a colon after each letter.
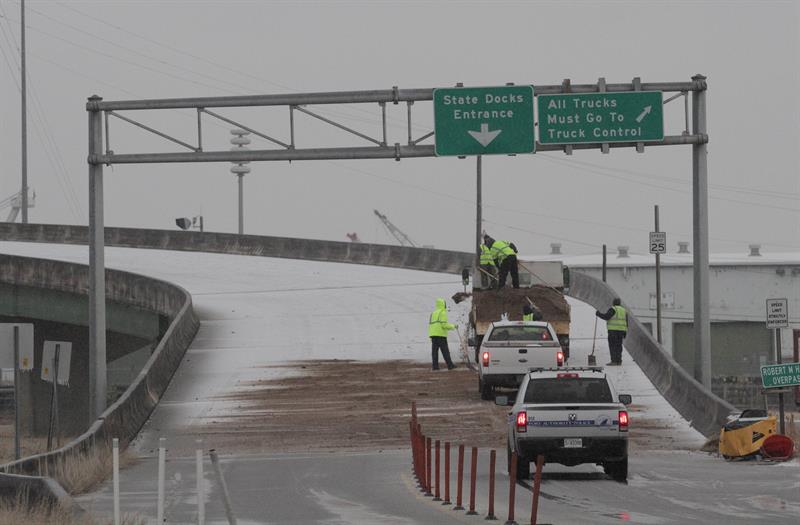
x: 356, y: 405
x: 339, y: 404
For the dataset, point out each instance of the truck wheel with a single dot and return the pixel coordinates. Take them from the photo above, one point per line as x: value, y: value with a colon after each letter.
x: 486, y: 390
x: 618, y: 470
x: 523, y: 467
x: 478, y: 341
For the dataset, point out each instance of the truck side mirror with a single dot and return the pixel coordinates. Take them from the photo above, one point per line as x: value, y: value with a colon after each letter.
x: 625, y: 399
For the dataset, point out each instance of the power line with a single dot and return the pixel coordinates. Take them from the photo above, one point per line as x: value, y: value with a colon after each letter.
x: 41, y: 127
x: 542, y: 234
x: 498, y: 208
x: 222, y: 66
x: 123, y: 60
x: 674, y: 180
x: 324, y: 110
x: 634, y: 181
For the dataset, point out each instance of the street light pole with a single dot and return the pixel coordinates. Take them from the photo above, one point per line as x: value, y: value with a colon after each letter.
x: 240, y: 169
x: 24, y: 116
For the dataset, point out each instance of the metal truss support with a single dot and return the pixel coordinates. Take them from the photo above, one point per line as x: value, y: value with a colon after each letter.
x: 97, y: 281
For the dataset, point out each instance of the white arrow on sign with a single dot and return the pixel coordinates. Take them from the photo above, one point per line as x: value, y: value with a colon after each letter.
x: 484, y: 136
x: 643, y: 114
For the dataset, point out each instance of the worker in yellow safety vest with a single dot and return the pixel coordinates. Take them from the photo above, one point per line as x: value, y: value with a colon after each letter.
x: 616, y: 319
x: 438, y: 326
x: 505, y: 257
x: 488, y: 267
x: 529, y: 314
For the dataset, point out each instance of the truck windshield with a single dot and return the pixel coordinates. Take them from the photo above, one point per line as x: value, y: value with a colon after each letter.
x: 568, y: 390
x: 520, y: 333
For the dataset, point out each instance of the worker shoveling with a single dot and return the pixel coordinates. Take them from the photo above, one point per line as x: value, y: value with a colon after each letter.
x: 541, y: 293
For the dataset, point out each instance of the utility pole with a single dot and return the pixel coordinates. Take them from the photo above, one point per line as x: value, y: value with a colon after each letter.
x: 658, y: 285
x: 24, y: 115
x: 97, y: 265
x: 240, y: 169
x: 604, y: 263
x: 702, y: 317
x: 478, y: 218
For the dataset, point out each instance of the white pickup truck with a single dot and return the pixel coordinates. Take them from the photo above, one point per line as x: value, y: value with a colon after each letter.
x: 510, y: 348
x: 570, y: 416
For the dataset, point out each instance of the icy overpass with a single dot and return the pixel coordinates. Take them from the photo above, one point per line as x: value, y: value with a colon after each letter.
x: 259, y: 313
x: 706, y: 411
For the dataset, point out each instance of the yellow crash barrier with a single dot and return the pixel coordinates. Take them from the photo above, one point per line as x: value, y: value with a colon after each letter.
x: 744, y: 436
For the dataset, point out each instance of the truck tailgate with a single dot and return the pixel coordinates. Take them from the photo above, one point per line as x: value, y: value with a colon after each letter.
x: 585, y: 420
x: 510, y: 359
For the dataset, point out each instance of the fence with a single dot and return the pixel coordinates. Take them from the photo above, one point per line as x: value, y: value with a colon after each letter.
x: 426, y: 462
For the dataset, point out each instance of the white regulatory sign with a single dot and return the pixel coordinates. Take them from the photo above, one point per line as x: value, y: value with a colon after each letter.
x: 64, y: 359
x: 658, y: 242
x: 777, y: 313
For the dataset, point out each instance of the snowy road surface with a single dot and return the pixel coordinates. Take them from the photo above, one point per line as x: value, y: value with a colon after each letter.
x: 258, y: 312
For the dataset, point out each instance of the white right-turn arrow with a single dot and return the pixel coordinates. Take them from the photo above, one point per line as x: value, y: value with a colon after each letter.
x: 484, y: 136
x: 643, y: 114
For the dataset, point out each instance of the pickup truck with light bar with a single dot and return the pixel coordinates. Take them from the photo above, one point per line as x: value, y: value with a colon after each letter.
x: 511, y: 348
x: 570, y: 416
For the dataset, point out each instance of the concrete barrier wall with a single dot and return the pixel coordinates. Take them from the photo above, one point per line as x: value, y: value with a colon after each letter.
x: 126, y: 416
x: 705, y: 411
x: 283, y: 247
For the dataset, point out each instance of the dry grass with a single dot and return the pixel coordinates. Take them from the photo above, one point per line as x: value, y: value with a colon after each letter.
x: 28, y: 445
x: 82, y: 473
x: 793, y: 431
x: 77, y: 474
x: 23, y: 510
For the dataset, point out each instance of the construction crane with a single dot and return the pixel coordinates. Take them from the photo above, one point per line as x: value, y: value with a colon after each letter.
x: 15, y: 202
x: 396, y: 232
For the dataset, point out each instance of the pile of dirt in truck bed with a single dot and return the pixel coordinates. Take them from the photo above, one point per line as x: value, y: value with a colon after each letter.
x: 494, y: 303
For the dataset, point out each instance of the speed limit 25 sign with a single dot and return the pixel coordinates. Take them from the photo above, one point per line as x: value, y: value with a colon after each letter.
x: 658, y: 242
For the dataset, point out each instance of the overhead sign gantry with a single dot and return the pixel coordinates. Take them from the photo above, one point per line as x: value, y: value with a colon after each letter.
x: 476, y: 121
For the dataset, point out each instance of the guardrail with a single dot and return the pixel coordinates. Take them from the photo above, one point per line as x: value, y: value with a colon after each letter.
x: 705, y: 411
x: 127, y: 415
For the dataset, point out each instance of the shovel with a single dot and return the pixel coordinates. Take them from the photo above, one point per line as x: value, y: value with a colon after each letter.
x: 592, y: 358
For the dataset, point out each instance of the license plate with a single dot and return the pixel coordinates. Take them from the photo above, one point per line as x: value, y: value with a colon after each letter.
x: 573, y: 443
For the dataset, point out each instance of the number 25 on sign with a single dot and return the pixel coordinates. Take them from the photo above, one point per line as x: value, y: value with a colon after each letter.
x: 658, y: 242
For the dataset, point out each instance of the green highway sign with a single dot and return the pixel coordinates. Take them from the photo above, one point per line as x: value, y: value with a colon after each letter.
x: 572, y: 118
x: 780, y: 376
x: 483, y: 121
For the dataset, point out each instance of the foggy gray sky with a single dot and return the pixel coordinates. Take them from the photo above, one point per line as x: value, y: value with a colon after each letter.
x: 141, y: 49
